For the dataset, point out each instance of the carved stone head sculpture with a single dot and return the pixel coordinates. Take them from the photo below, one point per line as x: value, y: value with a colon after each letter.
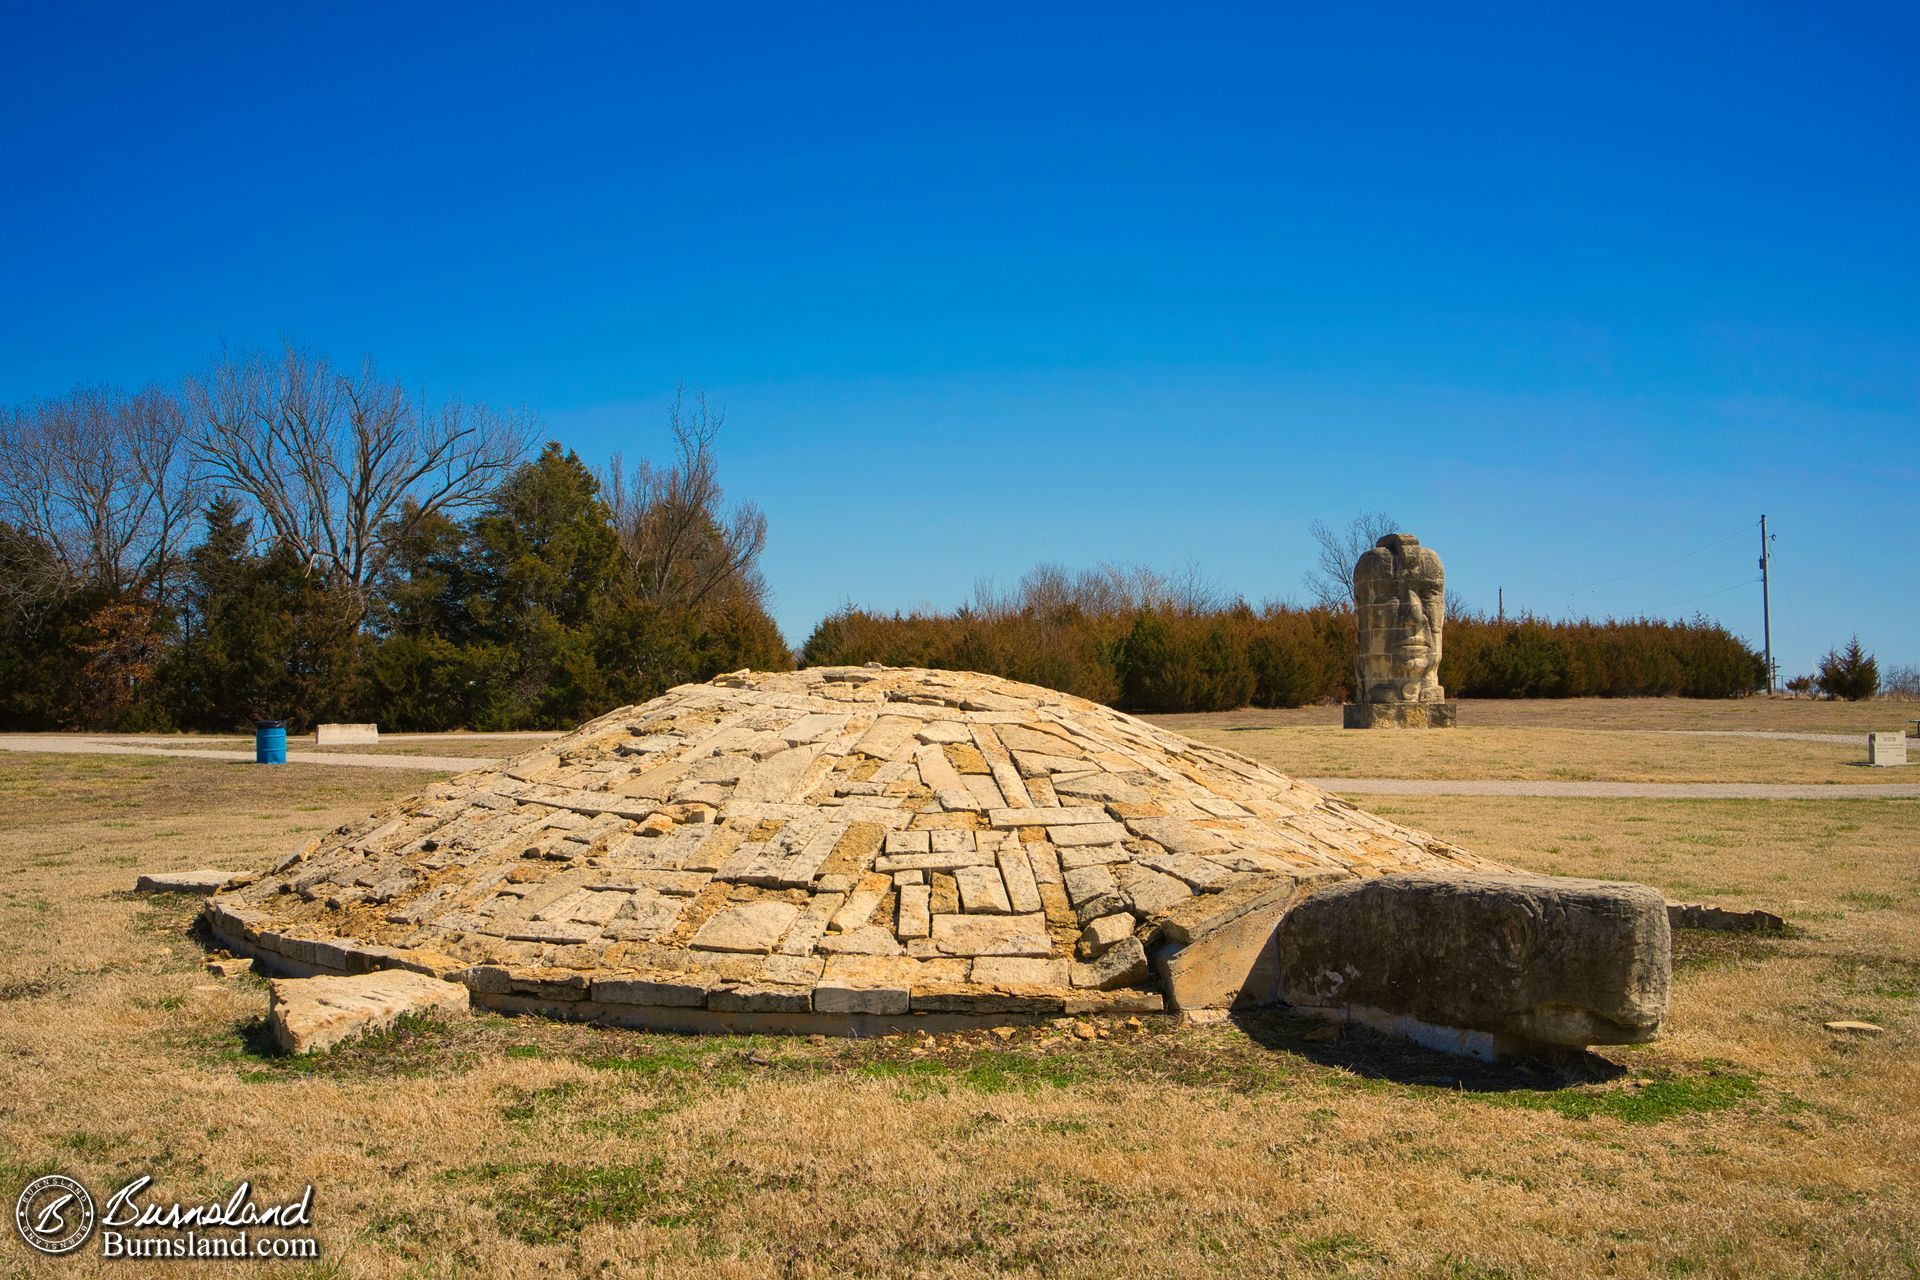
x: 1399, y: 595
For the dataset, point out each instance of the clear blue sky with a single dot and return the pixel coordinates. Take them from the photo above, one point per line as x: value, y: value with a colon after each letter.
x: 1570, y: 293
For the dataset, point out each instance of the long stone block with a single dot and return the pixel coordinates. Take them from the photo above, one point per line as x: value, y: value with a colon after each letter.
x: 1552, y: 961
x: 968, y: 935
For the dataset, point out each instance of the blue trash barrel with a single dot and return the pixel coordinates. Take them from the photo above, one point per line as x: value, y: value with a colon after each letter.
x: 269, y: 741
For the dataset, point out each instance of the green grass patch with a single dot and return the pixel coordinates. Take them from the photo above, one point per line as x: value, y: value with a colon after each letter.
x: 660, y: 1062
x: 534, y: 1103
x: 1886, y: 978
x: 983, y: 1071
x: 1647, y: 1099
x: 545, y: 1203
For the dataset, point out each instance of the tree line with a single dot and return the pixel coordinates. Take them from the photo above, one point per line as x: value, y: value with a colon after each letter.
x: 1136, y: 640
x: 283, y: 538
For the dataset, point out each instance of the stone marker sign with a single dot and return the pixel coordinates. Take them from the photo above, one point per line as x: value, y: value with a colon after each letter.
x: 1400, y: 605
x: 345, y: 735
x: 1886, y: 748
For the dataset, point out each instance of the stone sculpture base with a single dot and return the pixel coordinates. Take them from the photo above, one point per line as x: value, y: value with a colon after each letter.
x: 1400, y: 715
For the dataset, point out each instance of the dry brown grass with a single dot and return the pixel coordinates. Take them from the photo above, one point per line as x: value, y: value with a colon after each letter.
x: 1772, y: 715
x: 481, y: 746
x: 1749, y: 1142
x: 1535, y: 754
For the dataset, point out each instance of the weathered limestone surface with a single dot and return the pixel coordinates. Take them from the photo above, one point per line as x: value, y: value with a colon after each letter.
x: 1400, y: 609
x: 202, y: 882
x: 345, y: 735
x: 1549, y: 961
x: 1229, y: 957
x: 308, y: 1014
x: 1400, y: 715
x: 853, y: 846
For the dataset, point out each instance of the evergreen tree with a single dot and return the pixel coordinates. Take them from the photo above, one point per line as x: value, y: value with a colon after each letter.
x: 263, y: 637
x: 41, y: 616
x: 1852, y: 674
x: 544, y: 556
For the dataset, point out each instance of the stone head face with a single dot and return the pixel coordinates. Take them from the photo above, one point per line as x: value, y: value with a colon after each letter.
x: 1399, y: 597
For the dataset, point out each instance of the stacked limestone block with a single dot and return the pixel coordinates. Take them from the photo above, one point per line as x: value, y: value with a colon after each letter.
x: 838, y: 843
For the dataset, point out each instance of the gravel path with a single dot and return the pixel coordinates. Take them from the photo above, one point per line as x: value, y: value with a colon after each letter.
x: 1849, y: 739
x: 67, y: 743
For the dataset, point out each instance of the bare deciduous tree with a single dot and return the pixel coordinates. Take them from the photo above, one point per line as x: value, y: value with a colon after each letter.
x: 1104, y: 591
x: 1330, y: 581
x: 685, y: 547
x: 341, y: 466
x: 101, y: 488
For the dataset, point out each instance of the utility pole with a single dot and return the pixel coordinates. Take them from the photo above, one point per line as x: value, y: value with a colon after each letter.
x: 1503, y: 603
x: 1766, y: 602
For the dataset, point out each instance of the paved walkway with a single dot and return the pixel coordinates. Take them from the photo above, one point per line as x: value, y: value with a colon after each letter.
x: 68, y: 743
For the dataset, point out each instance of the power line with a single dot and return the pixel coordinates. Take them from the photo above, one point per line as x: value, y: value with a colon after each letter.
x: 1703, y: 596
x: 1650, y: 568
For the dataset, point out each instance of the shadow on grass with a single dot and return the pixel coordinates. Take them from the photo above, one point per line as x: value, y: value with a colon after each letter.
x: 1706, y: 949
x: 1373, y: 1056
x: 1577, y: 1084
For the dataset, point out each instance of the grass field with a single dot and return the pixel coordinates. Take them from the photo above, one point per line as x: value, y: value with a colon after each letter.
x: 1577, y: 740
x: 1533, y: 754
x: 1747, y: 1142
x: 1766, y: 715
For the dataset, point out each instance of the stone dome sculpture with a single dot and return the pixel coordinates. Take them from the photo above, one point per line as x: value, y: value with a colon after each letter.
x: 870, y: 849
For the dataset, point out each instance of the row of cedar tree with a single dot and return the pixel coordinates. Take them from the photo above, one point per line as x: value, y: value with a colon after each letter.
x: 286, y: 540
x: 1174, y: 659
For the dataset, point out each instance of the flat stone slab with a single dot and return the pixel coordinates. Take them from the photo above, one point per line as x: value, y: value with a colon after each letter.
x: 1695, y: 915
x: 991, y: 935
x: 310, y: 1014
x: 345, y: 735
x: 754, y: 927
x: 202, y: 882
